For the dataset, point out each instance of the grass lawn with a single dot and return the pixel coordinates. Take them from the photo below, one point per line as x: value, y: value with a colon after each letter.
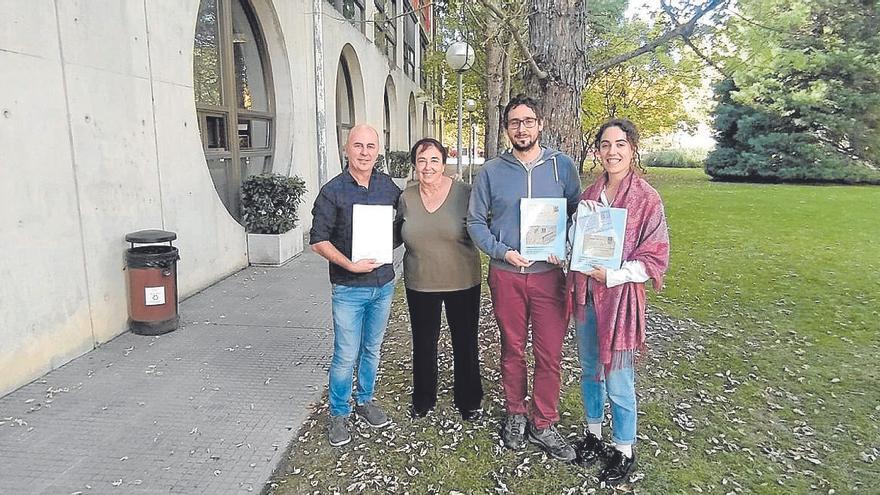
x: 762, y: 375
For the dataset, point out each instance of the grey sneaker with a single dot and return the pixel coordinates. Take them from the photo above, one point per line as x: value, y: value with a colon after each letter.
x: 513, y: 432
x: 338, y: 431
x: 373, y: 414
x: 552, y: 442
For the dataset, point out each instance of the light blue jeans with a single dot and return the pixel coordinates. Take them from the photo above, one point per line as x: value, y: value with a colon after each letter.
x: 619, y: 385
x: 360, y: 315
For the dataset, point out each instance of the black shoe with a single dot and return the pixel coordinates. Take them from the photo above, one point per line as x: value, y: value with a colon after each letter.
x: 591, y: 449
x: 416, y: 413
x: 472, y: 415
x: 618, y: 469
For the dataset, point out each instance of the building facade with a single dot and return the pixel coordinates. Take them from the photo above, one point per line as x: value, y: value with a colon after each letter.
x: 117, y: 116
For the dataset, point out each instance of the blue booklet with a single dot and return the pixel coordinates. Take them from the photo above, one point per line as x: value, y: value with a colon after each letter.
x: 598, y: 238
x: 542, y: 228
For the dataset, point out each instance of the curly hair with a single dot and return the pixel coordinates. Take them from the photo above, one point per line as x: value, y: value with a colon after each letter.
x: 632, y: 137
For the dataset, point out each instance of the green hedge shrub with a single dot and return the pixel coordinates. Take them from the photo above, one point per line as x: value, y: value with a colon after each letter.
x: 269, y: 203
x: 681, y: 158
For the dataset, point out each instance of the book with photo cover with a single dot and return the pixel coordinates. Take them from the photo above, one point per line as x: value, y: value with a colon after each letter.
x: 598, y: 238
x: 542, y: 228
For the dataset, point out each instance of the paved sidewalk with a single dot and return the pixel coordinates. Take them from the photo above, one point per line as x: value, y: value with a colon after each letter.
x: 209, y: 408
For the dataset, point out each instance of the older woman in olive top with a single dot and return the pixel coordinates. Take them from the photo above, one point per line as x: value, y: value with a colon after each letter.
x: 441, y: 266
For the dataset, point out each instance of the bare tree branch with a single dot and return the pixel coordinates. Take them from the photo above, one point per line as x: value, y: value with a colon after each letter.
x: 682, y: 30
x: 687, y: 39
x: 540, y: 74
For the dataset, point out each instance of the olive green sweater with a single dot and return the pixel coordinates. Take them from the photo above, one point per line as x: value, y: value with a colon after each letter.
x: 440, y: 256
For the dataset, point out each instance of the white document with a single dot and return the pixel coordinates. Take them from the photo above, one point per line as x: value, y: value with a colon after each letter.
x: 372, y: 233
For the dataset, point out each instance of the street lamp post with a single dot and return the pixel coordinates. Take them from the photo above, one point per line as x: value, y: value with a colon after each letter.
x: 460, y: 57
x: 470, y: 106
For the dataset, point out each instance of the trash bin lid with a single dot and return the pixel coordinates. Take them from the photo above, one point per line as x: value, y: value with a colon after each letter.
x: 150, y: 236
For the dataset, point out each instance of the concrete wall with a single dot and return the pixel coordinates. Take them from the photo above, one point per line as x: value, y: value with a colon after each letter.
x: 99, y: 137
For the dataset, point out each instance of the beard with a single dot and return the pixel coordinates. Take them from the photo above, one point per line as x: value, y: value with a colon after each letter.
x: 528, y: 145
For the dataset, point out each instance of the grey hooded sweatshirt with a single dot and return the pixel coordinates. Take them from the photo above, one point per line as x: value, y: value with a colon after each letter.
x: 493, y: 214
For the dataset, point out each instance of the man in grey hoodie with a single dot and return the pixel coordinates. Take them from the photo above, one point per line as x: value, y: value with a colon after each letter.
x: 525, y: 291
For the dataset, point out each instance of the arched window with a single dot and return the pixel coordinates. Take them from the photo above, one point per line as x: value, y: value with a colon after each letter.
x: 345, y: 116
x: 234, y: 101
x: 426, y: 130
x: 386, y: 124
x: 411, y: 121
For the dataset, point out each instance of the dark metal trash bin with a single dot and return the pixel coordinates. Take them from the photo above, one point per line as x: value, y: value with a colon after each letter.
x: 152, y: 282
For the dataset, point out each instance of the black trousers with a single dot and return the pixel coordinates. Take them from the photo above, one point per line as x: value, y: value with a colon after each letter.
x: 463, y: 316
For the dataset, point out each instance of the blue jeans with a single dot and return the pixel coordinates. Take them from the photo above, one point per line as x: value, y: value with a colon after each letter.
x: 619, y: 385
x: 360, y: 315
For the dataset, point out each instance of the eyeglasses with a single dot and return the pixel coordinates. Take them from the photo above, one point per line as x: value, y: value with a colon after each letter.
x: 422, y: 163
x: 527, y: 123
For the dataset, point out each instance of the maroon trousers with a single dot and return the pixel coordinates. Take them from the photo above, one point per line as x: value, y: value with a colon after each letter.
x: 539, y: 298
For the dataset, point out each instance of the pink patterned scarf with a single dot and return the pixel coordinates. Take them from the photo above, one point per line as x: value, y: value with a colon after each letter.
x: 620, y: 311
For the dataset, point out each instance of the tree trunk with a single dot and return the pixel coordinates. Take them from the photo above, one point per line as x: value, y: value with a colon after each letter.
x: 501, y: 137
x: 557, y: 30
x: 494, y: 83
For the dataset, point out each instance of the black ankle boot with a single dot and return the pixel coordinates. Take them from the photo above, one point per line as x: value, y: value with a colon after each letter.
x: 618, y: 468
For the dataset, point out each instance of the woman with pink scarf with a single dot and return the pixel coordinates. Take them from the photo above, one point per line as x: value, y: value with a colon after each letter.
x: 609, y: 305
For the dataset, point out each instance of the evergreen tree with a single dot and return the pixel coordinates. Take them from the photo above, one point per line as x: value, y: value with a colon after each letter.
x: 803, y: 102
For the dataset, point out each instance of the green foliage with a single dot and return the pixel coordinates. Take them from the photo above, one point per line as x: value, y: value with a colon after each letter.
x: 269, y: 203
x: 473, y: 87
x: 650, y: 89
x: 467, y: 21
x: 801, y: 103
x: 398, y: 164
x: 605, y: 17
x: 680, y: 158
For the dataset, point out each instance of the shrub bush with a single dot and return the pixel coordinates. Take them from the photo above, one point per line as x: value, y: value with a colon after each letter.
x: 380, y: 164
x: 269, y: 203
x: 398, y: 164
x: 680, y: 158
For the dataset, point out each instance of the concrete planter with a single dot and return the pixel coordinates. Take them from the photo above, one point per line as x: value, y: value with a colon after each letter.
x: 400, y: 181
x: 274, y: 249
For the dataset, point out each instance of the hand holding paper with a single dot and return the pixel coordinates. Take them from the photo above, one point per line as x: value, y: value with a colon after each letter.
x: 590, y: 204
x: 516, y: 259
x: 553, y: 260
x: 363, y: 266
x: 599, y: 274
